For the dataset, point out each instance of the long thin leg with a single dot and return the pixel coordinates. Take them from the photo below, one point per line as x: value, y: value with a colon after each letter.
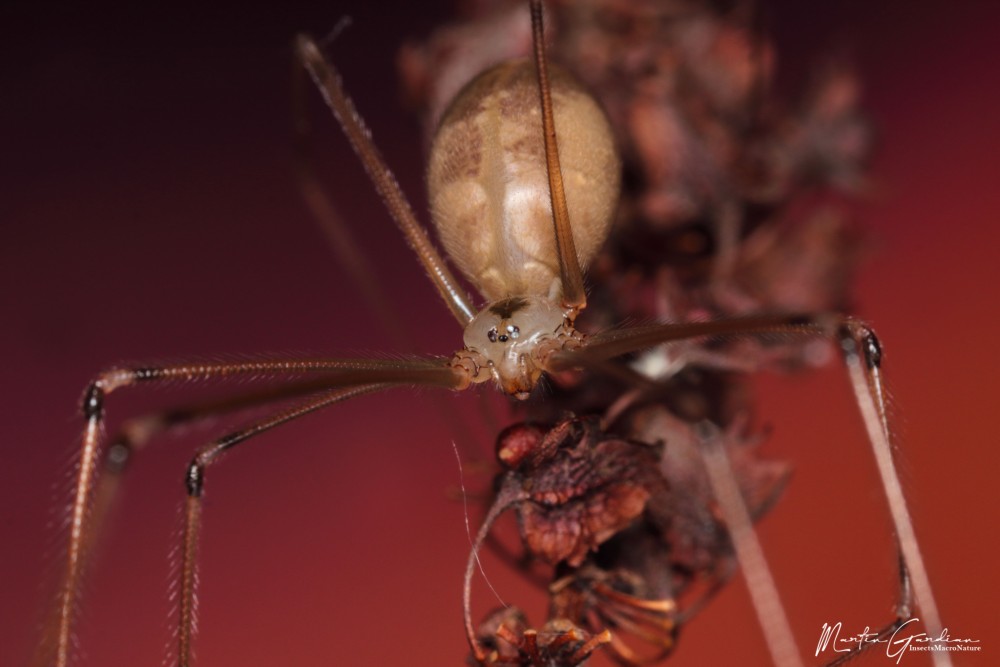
x: 862, y: 355
x: 332, y: 224
x: 337, y: 373
x: 328, y: 81
x: 341, y: 241
x: 195, y: 484
x: 136, y: 432
x: 770, y: 612
x: 616, y: 342
x: 349, y: 256
x: 569, y: 265
x: 763, y: 591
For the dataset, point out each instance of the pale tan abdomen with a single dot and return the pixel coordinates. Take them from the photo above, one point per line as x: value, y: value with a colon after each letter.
x: 488, y: 185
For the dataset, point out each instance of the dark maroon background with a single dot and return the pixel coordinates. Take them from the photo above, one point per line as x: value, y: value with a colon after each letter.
x: 150, y: 213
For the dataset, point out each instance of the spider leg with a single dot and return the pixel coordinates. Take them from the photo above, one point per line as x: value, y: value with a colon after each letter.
x: 337, y: 231
x: 328, y: 81
x: 569, y: 264
x: 334, y: 373
x: 332, y: 223
x: 763, y: 591
x: 862, y: 358
x: 361, y: 272
x: 135, y: 433
x: 195, y: 485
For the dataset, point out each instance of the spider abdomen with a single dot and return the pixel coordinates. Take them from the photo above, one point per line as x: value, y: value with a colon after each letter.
x: 488, y: 183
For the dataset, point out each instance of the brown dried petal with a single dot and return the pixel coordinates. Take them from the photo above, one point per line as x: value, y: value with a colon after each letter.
x: 584, y: 486
x: 570, y: 531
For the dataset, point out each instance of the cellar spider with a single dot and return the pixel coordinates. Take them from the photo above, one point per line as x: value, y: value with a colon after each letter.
x: 548, y: 306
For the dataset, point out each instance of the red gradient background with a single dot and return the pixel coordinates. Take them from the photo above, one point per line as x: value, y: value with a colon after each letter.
x: 149, y: 212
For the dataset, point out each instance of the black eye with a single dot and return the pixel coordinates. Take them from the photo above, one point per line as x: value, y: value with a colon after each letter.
x: 492, y: 335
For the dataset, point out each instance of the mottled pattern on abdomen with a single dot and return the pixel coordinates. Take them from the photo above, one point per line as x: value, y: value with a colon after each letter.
x: 489, y: 188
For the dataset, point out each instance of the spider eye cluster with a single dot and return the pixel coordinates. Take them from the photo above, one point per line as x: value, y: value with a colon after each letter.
x: 512, y: 327
x: 509, y: 332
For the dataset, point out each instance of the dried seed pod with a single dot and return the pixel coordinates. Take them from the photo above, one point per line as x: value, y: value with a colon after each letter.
x: 559, y: 643
x: 582, y: 486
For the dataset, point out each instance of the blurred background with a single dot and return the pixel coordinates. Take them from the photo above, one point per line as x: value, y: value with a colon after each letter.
x: 149, y: 212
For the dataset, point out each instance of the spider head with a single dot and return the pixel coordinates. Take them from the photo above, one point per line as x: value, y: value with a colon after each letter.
x: 507, y: 334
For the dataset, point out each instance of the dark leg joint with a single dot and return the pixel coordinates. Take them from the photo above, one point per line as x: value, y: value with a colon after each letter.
x: 195, y: 478
x: 853, y: 335
x: 872, y: 348
x: 93, y: 402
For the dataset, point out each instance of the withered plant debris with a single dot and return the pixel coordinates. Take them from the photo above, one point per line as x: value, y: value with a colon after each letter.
x: 733, y: 202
